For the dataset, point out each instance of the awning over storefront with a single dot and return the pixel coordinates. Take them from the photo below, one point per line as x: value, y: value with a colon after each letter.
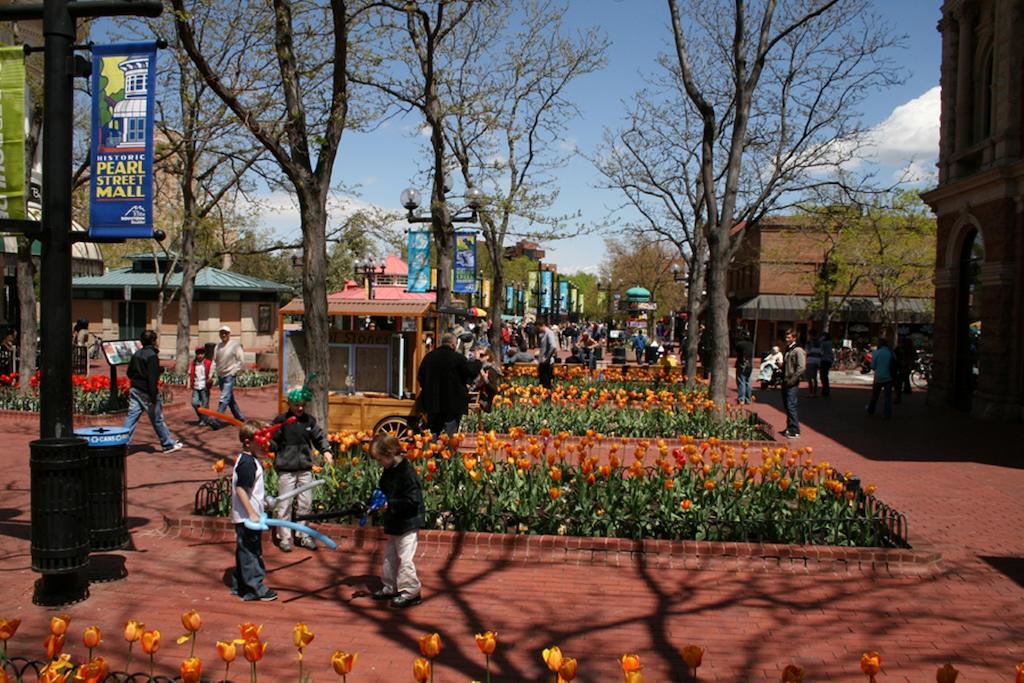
x: 794, y: 307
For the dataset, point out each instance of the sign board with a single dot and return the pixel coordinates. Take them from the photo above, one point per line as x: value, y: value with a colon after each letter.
x: 638, y: 305
x: 636, y: 323
x: 120, y: 351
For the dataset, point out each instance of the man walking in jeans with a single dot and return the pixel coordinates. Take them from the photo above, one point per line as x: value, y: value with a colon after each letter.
x: 794, y: 365
x: 143, y: 396
x: 227, y: 363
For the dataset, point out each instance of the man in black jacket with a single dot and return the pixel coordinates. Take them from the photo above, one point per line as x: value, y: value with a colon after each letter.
x: 144, y: 396
x: 443, y: 376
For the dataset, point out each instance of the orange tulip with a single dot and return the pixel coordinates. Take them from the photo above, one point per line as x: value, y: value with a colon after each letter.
x: 91, y: 637
x: 946, y: 674
x: 421, y: 670
x: 554, y: 493
x: 793, y: 674
x: 218, y: 466
x: 56, y: 671
x: 59, y: 625
x: 151, y: 642
x: 302, y: 636
x: 487, y: 642
x: 250, y: 630
x: 133, y: 630
x: 686, y: 504
x: 342, y: 662
x: 630, y: 663
x: 693, y: 655
x: 191, y: 621
x: 227, y: 651
x: 634, y: 677
x: 430, y: 645
x: 191, y: 670
x: 871, y: 663
x: 254, y: 650
x: 93, y: 671
x: 3, y: 676
x: 1020, y: 674
x: 567, y: 671
x: 53, y: 644
x: 553, y: 658
x: 8, y: 627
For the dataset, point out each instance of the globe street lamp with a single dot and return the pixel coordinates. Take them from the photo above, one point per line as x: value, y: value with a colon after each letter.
x: 369, y: 272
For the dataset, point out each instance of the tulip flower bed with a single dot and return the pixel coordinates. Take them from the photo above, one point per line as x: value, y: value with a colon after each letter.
x: 550, y: 484
x: 629, y: 408
x: 90, y: 394
x: 253, y: 645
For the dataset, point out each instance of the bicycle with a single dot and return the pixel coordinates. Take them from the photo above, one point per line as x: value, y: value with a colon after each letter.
x: 96, y: 348
x: 921, y: 371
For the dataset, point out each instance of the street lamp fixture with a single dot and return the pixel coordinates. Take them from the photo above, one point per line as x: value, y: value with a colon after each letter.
x: 411, y: 201
x: 677, y: 273
x: 369, y: 271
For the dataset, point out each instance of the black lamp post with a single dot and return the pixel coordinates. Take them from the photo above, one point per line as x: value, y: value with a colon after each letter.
x: 607, y: 288
x: 410, y: 199
x: 58, y: 449
x: 369, y: 271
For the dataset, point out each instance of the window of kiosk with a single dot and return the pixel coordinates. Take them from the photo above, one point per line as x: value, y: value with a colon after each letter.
x: 369, y: 365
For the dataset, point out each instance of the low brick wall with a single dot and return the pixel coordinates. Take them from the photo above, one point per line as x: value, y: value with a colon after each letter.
x: 654, y: 554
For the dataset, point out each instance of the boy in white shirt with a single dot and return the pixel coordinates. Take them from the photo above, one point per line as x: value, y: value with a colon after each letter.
x: 199, y: 381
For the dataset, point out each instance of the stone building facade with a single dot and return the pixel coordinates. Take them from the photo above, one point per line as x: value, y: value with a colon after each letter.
x: 979, y: 202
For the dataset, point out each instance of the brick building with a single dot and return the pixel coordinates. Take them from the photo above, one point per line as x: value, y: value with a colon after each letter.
x: 979, y: 201
x: 772, y: 280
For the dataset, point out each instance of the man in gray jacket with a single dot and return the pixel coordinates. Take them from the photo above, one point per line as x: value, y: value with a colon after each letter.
x: 227, y: 363
x: 548, y: 354
x: 794, y: 365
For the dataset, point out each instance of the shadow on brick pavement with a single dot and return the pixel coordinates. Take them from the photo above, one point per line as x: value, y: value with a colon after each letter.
x: 957, y: 480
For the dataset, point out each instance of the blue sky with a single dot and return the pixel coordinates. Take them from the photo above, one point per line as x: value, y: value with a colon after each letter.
x: 905, y: 117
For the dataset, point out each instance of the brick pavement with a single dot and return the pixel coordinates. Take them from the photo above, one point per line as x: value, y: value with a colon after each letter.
x: 955, y: 479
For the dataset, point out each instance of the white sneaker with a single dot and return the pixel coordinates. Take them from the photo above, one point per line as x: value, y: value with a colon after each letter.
x: 176, y: 446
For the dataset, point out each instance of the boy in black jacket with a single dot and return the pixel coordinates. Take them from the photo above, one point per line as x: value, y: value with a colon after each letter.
x: 293, y: 461
x: 143, y: 396
x: 403, y: 518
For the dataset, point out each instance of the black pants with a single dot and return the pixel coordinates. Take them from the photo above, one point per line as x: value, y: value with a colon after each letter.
x: 546, y: 374
x: 250, y: 571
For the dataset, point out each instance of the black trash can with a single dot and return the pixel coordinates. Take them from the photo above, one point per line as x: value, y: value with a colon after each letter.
x: 106, y: 486
x: 60, y: 532
x: 651, y: 355
x: 619, y: 355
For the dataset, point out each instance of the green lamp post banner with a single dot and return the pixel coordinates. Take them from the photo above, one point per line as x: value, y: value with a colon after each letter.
x: 12, y: 130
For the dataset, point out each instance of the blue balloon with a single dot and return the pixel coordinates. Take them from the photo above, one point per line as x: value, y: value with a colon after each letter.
x: 266, y: 522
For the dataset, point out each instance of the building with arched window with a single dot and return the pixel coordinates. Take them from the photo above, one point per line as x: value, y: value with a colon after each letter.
x: 979, y: 202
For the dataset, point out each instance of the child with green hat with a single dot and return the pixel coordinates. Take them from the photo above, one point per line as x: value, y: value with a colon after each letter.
x: 293, y: 446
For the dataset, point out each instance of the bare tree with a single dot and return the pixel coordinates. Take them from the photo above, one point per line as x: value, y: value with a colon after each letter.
x: 204, y: 149
x: 775, y: 86
x: 509, y: 78
x: 410, y: 80
x: 282, y: 67
x: 651, y: 161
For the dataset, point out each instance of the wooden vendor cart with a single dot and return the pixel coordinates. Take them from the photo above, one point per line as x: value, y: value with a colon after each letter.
x: 375, y: 350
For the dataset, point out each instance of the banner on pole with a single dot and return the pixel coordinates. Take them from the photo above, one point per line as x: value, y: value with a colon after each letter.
x: 487, y: 294
x: 419, y: 261
x: 121, y: 180
x: 547, y: 289
x: 563, y: 296
x: 464, y: 281
x: 12, y: 130
x: 533, y: 287
x: 510, y: 302
x: 573, y: 293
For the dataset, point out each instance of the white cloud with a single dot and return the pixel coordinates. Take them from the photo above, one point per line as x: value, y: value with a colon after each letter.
x: 910, y: 134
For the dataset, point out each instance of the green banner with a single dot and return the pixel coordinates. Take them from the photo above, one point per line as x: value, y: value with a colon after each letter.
x: 12, y: 132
